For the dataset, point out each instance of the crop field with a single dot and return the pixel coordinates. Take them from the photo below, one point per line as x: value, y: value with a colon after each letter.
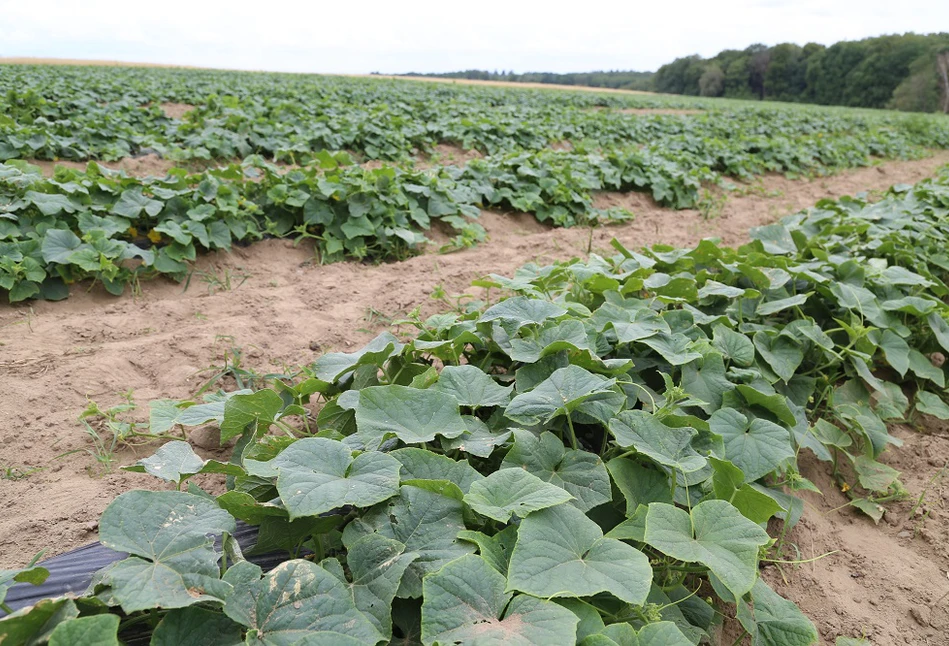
x: 328, y: 360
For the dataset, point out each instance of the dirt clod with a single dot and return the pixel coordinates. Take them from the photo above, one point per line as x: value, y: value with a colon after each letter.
x: 918, y: 616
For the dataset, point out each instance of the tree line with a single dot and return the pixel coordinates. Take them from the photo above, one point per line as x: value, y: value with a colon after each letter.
x: 902, y: 72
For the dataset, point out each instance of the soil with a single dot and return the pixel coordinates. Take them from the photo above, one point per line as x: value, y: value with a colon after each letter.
x: 176, y: 110
x: 888, y: 583
x: 145, y: 166
x: 648, y: 111
x: 541, y: 86
x: 283, y: 309
x: 448, y: 155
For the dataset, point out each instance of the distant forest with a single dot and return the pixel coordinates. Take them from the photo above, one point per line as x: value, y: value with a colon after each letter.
x: 903, y: 72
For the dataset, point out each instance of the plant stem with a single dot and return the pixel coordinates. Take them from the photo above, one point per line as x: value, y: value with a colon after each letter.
x: 573, y: 434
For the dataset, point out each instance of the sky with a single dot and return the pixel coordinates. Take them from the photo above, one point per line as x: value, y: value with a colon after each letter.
x: 393, y: 36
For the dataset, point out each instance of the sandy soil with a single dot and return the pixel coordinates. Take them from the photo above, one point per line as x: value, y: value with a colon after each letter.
x: 145, y: 166
x: 284, y: 310
x: 658, y: 111
x: 448, y: 155
x: 888, y: 583
x: 542, y: 86
x: 176, y: 110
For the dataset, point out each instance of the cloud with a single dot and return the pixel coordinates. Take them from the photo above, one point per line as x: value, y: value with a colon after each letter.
x: 425, y: 35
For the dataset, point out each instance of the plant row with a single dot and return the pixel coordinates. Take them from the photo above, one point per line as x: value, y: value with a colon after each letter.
x: 594, y: 457
x: 118, y: 230
x: 63, y: 113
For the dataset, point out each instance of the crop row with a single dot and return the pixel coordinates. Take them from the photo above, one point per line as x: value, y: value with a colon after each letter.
x: 594, y: 458
x: 61, y: 113
x: 118, y: 230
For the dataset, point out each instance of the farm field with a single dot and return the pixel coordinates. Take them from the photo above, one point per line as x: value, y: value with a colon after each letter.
x: 268, y: 223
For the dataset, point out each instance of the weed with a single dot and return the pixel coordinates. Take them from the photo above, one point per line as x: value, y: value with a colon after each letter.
x: 224, y: 281
x: 711, y: 204
x: 15, y: 473
x: 375, y: 319
x: 107, y: 428
x: 922, y: 497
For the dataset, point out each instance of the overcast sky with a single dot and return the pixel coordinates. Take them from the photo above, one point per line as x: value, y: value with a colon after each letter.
x: 360, y: 36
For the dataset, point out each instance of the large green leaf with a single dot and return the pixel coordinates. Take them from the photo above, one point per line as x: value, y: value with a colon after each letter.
x: 97, y: 630
x: 471, y: 387
x: 419, y: 464
x: 520, y: 311
x: 715, y: 534
x: 411, y: 414
x: 34, y: 624
x: 940, y: 329
x: 782, y: 354
x: 465, y: 603
x: 775, y: 621
x: 757, y: 447
x: 425, y: 522
x: 196, y: 626
x: 629, y: 325
x: 334, y: 365
x: 665, y: 445
x: 59, y: 245
x: 874, y: 475
x: 563, y: 391
x: 774, y: 403
x: 132, y: 203
x: 896, y: 351
x: 674, y: 348
x: 931, y: 404
x: 255, y: 411
x: 176, y: 460
x: 51, y: 204
x: 737, y: 347
x: 377, y: 565
x: 496, y: 550
x: 581, y: 473
x: 317, y: 475
x: 660, y: 633
x: 478, y: 440
x: 775, y: 238
x: 707, y: 383
x: 728, y: 483
x: 513, y: 491
x: 562, y: 553
x: 556, y: 336
x: 296, y: 599
x: 168, y: 537
x: 640, y: 485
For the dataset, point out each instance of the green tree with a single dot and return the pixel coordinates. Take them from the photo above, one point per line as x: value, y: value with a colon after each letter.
x: 784, y: 78
x: 926, y: 88
x: 737, y: 74
x: 712, y: 81
x: 681, y: 76
x: 760, y: 58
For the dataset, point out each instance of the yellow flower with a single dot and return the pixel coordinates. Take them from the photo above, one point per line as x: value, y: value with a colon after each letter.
x: 845, y: 488
x: 154, y: 236
x: 133, y: 232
